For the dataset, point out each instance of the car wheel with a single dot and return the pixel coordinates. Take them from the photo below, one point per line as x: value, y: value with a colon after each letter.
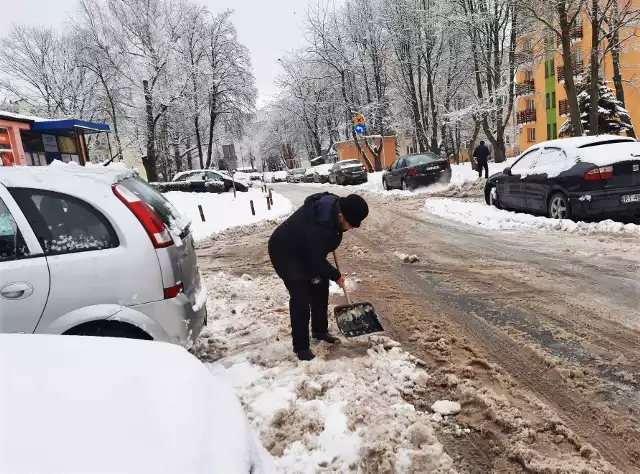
x: 559, y: 207
x: 385, y: 186
x: 405, y: 186
x: 492, y: 197
x: 103, y: 328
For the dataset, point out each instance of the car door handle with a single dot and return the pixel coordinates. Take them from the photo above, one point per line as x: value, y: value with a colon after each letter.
x: 16, y: 291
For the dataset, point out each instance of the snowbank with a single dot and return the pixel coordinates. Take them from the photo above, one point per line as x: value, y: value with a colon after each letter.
x: 341, y: 413
x: 223, y: 211
x: 488, y: 217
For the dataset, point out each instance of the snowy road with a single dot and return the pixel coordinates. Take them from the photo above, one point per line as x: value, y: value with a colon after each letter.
x: 540, y: 330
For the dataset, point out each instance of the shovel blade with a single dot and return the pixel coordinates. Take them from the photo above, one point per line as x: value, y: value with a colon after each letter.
x: 357, y: 319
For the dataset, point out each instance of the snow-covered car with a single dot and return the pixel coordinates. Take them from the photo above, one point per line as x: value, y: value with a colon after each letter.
x: 93, y: 251
x: 309, y: 175
x: 348, y: 172
x: 278, y: 176
x: 244, y: 178
x: 596, y: 176
x: 295, y: 175
x: 322, y: 173
x: 212, y: 175
x: 84, y: 404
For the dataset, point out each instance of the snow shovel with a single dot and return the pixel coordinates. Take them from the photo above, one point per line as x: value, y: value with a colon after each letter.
x: 356, y: 319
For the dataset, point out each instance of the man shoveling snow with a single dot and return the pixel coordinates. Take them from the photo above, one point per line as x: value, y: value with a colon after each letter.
x: 298, y: 249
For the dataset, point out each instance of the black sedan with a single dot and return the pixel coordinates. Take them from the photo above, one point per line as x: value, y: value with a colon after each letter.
x: 572, y: 178
x: 409, y: 172
x: 348, y: 172
x: 198, y: 177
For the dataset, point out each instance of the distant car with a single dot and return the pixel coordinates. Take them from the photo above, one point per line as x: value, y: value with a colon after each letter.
x: 309, y: 175
x: 239, y: 176
x: 409, y: 172
x: 92, y: 251
x: 348, y: 172
x: 153, y: 407
x: 322, y: 173
x: 596, y: 176
x: 295, y: 175
x: 211, y: 175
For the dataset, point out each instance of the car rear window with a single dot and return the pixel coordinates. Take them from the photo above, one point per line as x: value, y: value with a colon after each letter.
x: 350, y: 163
x: 608, y: 142
x: 416, y: 160
x: 168, y: 214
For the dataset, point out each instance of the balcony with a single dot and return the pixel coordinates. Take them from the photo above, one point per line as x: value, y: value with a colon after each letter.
x: 525, y: 88
x: 524, y: 57
x: 563, y: 105
x: 578, y: 69
x: 526, y: 116
x: 576, y: 32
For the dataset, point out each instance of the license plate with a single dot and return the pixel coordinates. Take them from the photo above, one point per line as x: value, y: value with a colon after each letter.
x: 629, y: 198
x: 431, y: 168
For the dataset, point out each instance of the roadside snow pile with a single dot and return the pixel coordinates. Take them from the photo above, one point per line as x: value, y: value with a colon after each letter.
x: 488, y: 217
x: 446, y: 407
x: 406, y: 258
x: 341, y: 413
x: 223, y: 211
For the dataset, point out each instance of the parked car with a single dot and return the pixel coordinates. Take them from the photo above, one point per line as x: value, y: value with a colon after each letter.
x: 322, y: 173
x: 197, y: 176
x: 309, y: 175
x: 240, y: 177
x: 348, y: 172
x: 569, y: 178
x: 88, y: 405
x: 409, y: 172
x: 295, y: 175
x: 91, y: 251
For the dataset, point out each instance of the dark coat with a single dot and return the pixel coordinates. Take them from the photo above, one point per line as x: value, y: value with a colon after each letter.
x: 481, y: 153
x: 299, y: 246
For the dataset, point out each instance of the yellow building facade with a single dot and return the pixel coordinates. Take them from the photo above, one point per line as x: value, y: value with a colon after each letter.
x: 541, y: 100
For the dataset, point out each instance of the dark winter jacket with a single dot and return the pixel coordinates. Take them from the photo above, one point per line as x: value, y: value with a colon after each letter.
x: 300, y: 245
x: 481, y: 153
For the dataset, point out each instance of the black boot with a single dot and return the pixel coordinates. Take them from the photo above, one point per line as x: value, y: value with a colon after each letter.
x: 305, y: 354
x: 327, y: 337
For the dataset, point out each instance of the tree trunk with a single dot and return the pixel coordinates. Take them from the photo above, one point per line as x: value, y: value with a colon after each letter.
x: 149, y: 161
x: 569, y: 83
x: 196, y: 123
x: 594, y: 93
x: 189, y: 156
x: 212, y: 124
x: 615, y: 59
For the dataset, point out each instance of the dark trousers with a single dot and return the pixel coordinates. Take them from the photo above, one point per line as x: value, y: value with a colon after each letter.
x: 483, y: 165
x: 307, y: 299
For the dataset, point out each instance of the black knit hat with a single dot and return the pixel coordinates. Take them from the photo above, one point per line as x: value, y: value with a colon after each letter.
x: 354, y: 209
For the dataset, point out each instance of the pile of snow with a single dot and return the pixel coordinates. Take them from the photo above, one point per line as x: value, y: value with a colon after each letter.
x: 222, y: 211
x: 446, y: 407
x: 343, y: 412
x: 488, y: 217
x: 153, y: 404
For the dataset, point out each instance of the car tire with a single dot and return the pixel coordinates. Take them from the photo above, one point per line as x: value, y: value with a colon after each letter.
x: 385, y: 186
x: 492, y: 198
x: 559, y: 207
x: 109, y: 329
x: 405, y: 186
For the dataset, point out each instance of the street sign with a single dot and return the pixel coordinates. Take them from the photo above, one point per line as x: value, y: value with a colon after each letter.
x: 359, y: 120
x: 360, y: 129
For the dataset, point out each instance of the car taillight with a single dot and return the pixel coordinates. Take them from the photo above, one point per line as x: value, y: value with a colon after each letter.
x: 412, y: 172
x: 157, y: 231
x: 172, y: 291
x: 603, y: 172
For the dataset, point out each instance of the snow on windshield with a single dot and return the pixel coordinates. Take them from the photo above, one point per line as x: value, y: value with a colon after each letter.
x: 350, y: 164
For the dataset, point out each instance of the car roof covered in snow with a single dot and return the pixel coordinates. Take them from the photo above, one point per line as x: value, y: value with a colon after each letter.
x: 574, y: 143
x: 58, y: 176
x: 152, y: 405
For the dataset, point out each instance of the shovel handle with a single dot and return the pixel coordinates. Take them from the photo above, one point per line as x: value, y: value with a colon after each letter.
x: 344, y: 287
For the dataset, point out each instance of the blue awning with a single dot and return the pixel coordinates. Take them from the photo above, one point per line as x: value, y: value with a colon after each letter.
x: 69, y: 125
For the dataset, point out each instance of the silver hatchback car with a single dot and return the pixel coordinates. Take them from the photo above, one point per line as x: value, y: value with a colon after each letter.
x: 92, y: 251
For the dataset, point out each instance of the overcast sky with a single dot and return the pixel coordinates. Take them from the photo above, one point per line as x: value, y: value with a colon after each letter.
x: 268, y: 28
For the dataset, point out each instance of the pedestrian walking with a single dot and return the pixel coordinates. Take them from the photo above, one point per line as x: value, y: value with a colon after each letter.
x: 481, y: 154
x: 298, y: 249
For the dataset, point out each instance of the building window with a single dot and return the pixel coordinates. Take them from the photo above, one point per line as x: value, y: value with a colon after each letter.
x: 553, y: 100
x: 552, y: 71
x: 531, y: 104
x: 547, y: 100
x: 554, y: 130
x: 531, y: 134
x: 546, y: 69
x: 548, y: 131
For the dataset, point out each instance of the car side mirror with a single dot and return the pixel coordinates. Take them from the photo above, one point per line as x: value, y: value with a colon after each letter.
x: 507, y: 171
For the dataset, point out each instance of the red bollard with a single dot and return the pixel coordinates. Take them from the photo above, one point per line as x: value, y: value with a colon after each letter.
x: 268, y: 203
x: 253, y: 211
x: 201, y: 213
x: 270, y: 197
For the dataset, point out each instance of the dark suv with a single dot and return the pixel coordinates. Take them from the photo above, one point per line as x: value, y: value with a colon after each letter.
x: 348, y: 172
